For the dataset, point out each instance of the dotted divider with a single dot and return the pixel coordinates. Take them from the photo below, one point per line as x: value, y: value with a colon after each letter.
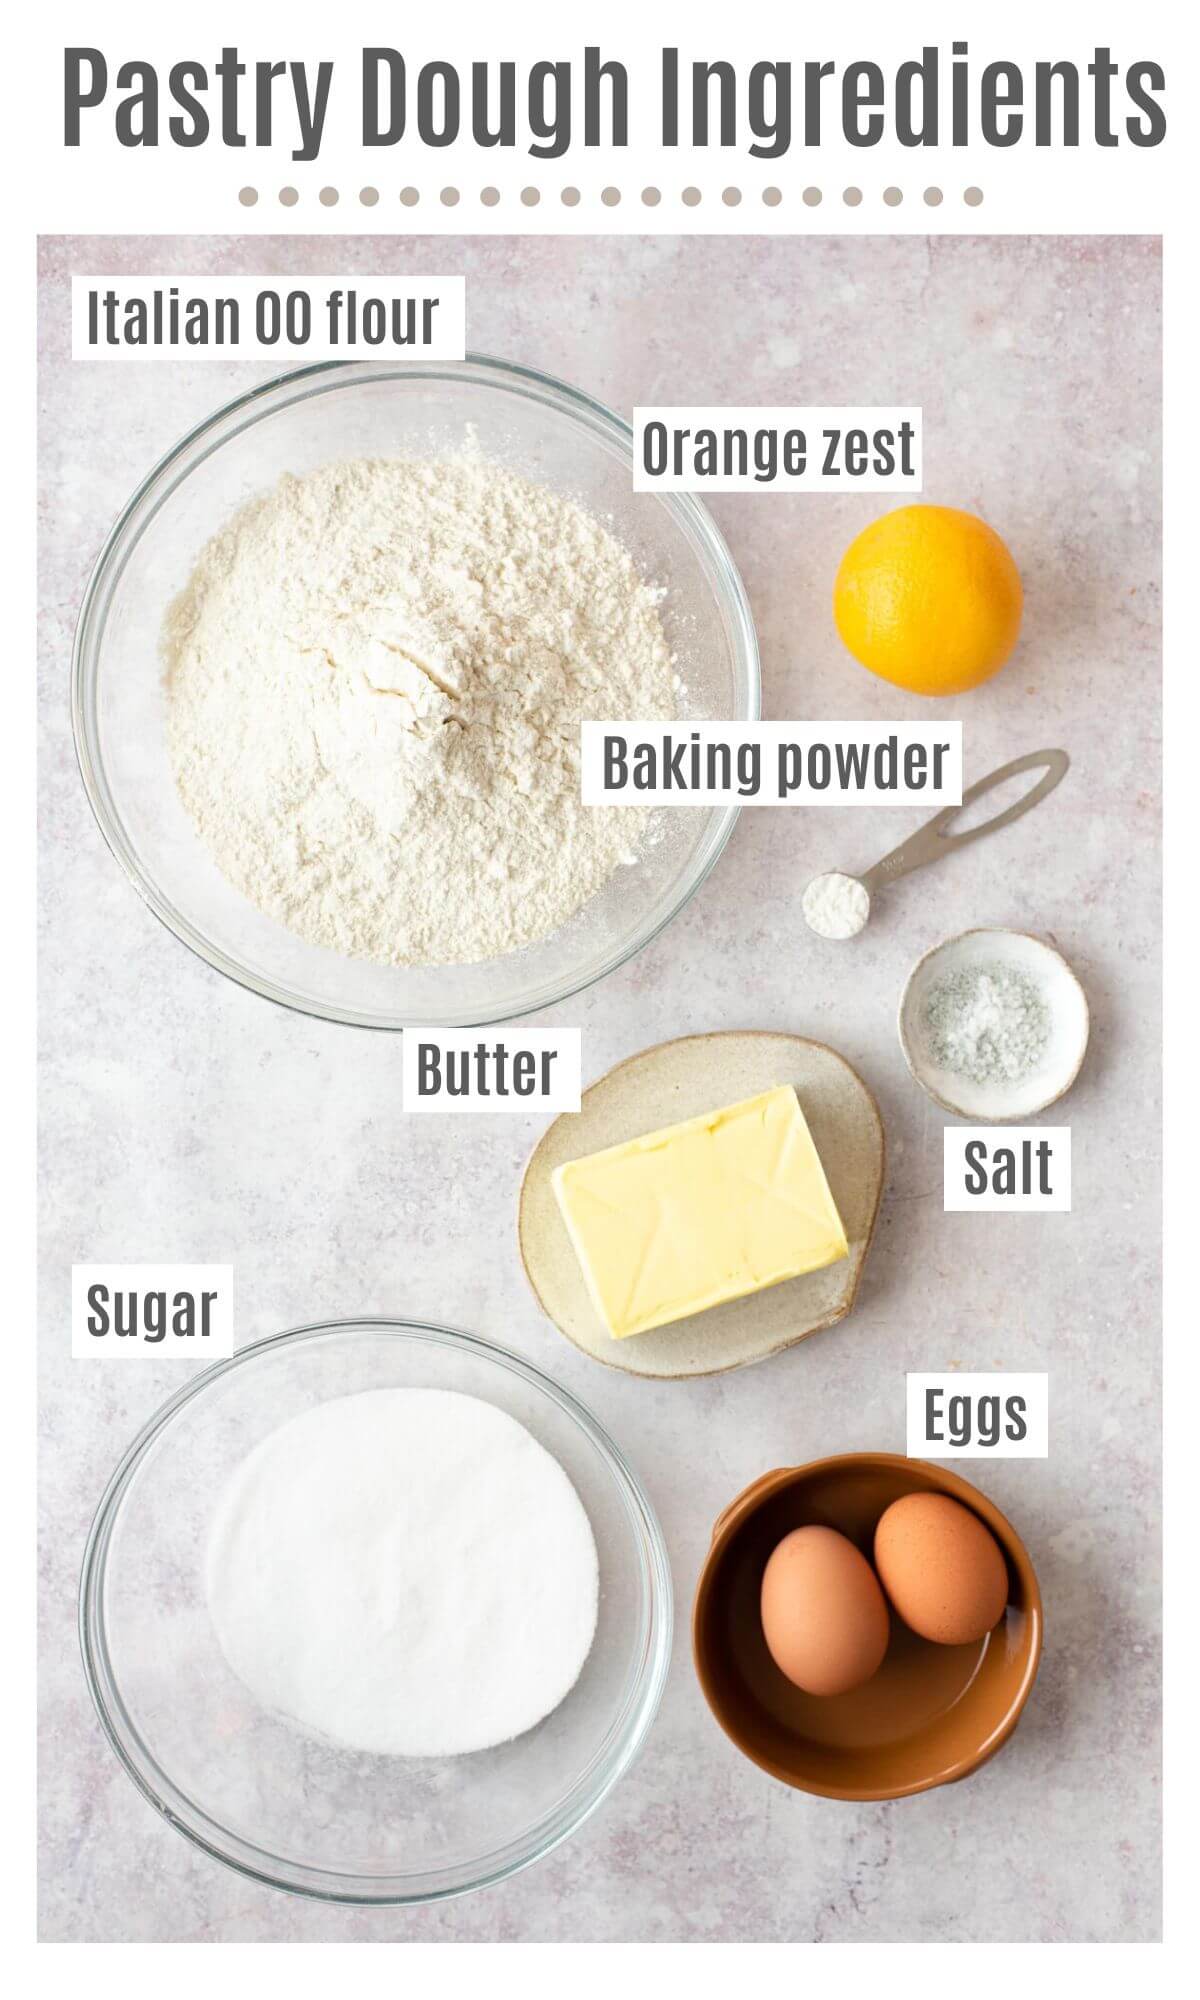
x: 609, y: 197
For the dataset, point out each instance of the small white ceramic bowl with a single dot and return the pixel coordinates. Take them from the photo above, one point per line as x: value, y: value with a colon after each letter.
x: 1059, y: 1063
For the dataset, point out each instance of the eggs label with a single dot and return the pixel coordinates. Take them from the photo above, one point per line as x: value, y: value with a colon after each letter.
x: 978, y: 1416
x: 1006, y: 1166
x: 181, y: 1311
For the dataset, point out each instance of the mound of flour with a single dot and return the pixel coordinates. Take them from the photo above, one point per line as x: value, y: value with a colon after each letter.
x: 375, y: 680
x: 404, y: 1571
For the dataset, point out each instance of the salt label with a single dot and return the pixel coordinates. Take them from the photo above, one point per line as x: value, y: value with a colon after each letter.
x: 1018, y: 1167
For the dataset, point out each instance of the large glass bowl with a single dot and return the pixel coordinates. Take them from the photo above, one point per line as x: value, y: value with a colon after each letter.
x: 529, y: 423
x: 245, y: 1785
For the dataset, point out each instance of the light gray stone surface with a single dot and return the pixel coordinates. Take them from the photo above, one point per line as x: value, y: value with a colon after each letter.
x: 184, y: 1118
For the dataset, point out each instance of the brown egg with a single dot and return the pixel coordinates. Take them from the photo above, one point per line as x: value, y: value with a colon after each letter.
x: 941, y: 1568
x: 824, y: 1617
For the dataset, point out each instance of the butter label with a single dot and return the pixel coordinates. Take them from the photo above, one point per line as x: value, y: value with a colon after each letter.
x: 459, y: 1069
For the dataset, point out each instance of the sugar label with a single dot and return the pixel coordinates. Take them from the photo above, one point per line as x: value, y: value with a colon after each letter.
x: 182, y: 1312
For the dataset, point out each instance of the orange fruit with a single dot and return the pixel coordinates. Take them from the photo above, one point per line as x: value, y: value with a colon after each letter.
x: 930, y: 598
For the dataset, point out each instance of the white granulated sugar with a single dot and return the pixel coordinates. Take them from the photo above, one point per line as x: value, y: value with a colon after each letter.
x: 404, y: 1571
x: 836, y: 905
x: 376, y: 677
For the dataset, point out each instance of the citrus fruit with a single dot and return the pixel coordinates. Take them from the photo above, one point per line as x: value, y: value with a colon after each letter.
x: 930, y: 598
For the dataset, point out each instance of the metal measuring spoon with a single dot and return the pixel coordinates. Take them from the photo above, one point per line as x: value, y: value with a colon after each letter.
x: 837, y: 905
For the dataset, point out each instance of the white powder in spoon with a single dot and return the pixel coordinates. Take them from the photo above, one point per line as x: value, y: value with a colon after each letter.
x: 836, y: 905
x: 404, y: 1571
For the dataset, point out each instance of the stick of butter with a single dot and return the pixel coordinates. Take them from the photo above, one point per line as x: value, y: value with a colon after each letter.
x: 700, y: 1213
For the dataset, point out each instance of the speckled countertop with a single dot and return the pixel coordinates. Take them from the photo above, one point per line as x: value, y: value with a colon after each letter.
x: 183, y: 1118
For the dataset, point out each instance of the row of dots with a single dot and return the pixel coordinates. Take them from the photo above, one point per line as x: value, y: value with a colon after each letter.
x: 571, y: 197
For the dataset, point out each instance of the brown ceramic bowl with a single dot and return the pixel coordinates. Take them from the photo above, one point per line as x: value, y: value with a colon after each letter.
x: 930, y: 1715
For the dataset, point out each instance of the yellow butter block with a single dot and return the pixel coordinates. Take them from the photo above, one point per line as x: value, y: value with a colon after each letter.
x: 700, y: 1213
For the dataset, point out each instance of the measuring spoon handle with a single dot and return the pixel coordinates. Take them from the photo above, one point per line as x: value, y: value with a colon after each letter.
x: 931, y: 841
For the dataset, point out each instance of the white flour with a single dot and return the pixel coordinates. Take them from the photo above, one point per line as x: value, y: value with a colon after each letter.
x: 376, y: 677
x: 405, y: 1571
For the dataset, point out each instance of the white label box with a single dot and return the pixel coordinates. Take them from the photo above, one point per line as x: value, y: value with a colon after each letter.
x: 235, y: 318
x: 461, y: 1069
x: 771, y: 763
x: 777, y: 449
x: 955, y: 1415
x: 180, y: 1312
x: 994, y: 1167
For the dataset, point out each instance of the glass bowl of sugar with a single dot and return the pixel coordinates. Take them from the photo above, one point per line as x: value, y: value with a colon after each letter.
x: 283, y: 1803
x: 348, y: 778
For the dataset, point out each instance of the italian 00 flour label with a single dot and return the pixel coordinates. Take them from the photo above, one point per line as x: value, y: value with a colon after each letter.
x: 231, y: 318
x: 522, y: 1070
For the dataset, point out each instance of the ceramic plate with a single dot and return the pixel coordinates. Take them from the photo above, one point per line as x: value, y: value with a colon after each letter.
x: 679, y: 1080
